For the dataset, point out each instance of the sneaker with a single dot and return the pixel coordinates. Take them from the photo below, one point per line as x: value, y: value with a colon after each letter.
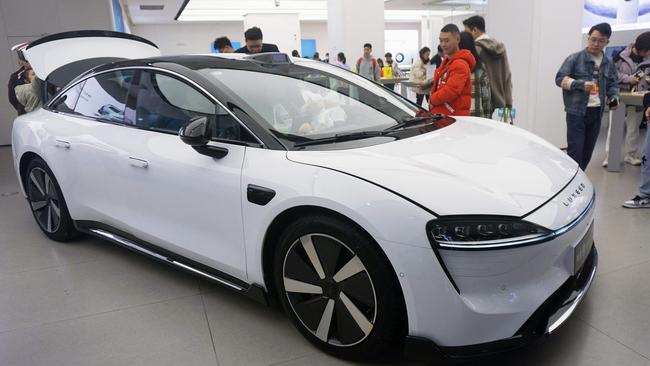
x: 605, y: 163
x: 637, y: 202
x: 632, y: 160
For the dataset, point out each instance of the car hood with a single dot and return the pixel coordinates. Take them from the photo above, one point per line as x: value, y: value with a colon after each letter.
x: 473, y: 167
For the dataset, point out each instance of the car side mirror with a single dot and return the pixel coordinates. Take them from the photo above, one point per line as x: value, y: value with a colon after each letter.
x: 197, y: 134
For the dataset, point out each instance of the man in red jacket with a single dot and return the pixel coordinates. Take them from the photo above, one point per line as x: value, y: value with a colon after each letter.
x: 452, y: 82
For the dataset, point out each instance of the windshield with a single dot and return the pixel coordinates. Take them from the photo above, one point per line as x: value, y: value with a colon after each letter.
x: 307, y: 101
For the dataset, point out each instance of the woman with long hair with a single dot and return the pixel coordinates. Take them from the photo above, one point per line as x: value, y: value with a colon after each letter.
x: 341, y: 61
x: 481, y: 95
x: 419, y: 76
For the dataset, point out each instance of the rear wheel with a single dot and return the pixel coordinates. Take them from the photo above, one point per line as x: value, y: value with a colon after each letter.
x: 46, y: 202
x: 338, y: 289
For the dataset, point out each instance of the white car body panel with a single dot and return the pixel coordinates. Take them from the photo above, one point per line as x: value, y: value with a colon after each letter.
x: 484, y: 167
x: 304, y: 185
x: 496, y: 297
x: 99, y: 160
x: 160, y: 190
x: 200, y: 198
x: 496, y: 275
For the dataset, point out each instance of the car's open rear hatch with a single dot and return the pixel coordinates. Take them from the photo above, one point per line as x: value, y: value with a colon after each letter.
x: 59, y: 58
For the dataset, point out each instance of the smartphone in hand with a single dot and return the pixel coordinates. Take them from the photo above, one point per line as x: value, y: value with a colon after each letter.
x: 613, y: 103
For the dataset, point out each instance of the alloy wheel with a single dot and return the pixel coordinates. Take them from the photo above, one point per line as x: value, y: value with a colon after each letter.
x: 44, y: 200
x: 329, y: 290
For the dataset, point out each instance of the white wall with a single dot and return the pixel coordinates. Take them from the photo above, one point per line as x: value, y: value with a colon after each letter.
x: 348, y: 31
x: 317, y: 31
x: 456, y: 19
x: 31, y: 19
x: 538, y: 39
x: 430, y: 31
x: 173, y: 39
x: 189, y: 37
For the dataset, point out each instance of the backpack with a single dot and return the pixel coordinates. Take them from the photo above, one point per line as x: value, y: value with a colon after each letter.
x: 374, y: 65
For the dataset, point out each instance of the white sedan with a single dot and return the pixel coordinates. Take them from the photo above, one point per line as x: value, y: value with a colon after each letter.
x: 376, y: 225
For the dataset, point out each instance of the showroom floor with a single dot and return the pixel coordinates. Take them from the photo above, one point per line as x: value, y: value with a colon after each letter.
x: 91, y: 303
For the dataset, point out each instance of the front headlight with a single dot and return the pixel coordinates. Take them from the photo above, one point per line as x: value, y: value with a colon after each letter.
x: 484, y: 232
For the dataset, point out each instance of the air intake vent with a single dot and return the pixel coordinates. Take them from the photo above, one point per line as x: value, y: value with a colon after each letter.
x: 152, y: 7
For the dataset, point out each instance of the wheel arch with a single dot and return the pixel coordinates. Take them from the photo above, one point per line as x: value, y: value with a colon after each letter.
x: 288, y: 216
x: 25, y: 159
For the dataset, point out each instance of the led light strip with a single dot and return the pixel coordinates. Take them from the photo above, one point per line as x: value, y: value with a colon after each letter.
x: 520, y: 242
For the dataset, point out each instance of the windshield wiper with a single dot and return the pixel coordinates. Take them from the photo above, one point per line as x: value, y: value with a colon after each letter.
x: 413, y: 121
x: 343, y: 137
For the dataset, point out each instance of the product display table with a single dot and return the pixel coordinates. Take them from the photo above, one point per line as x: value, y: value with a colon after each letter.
x: 400, y: 81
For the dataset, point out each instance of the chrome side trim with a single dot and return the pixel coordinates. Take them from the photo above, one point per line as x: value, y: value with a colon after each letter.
x: 531, y: 241
x: 572, y: 303
x: 122, y: 241
x: 223, y: 282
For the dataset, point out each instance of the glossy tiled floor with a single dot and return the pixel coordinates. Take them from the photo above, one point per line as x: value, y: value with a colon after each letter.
x: 90, y: 303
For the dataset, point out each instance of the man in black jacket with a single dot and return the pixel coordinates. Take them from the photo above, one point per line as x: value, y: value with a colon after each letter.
x: 17, y: 78
x: 254, y: 43
x: 642, y: 200
x: 223, y: 45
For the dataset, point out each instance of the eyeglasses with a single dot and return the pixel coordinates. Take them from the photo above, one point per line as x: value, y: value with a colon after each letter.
x: 598, y: 40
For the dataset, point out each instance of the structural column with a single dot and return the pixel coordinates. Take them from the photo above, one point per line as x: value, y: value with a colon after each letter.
x: 538, y: 35
x: 350, y: 24
x: 430, y: 32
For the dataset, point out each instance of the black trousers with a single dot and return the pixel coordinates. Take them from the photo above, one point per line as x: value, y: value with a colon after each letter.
x: 582, y: 133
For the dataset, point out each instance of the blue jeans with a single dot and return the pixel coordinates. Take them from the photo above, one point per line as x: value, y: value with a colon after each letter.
x: 582, y: 133
x: 645, y: 170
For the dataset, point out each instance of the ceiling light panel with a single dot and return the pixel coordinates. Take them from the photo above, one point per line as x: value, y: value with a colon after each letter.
x: 313, y: 10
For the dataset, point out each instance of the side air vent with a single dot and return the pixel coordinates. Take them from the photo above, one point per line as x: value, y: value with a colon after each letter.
x: 152, y: 7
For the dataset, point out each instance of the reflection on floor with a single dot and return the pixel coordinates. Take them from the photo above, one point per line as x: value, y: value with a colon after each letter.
x: 90, y: 303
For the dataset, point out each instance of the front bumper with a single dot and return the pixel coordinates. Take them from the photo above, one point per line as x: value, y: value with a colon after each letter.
x: 554, y: 312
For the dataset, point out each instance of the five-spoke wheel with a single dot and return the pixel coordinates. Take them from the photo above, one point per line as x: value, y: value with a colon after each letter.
x: 46, y: 201
x: 329, y: 289
x: 339, y: 288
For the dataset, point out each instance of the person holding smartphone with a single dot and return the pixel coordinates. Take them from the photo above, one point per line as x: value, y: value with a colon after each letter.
x: 633, y: 66
x: 589, y: 82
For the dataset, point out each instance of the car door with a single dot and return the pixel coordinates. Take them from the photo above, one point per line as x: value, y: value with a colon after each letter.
x: 178, y: 199
x: 92, y: 165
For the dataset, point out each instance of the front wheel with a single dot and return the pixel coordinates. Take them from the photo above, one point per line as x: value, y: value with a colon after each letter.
x: 338, y: 288
x: 46, y: 202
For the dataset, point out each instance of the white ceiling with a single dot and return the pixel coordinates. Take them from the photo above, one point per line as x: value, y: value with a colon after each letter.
x: 309, y: 10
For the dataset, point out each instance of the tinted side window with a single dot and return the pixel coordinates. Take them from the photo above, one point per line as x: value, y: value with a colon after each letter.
x: 67, y: 101
x: 104, y: 96
x: 165, y: 104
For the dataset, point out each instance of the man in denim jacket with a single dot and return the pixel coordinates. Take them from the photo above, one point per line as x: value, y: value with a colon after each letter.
x: 588, y: 80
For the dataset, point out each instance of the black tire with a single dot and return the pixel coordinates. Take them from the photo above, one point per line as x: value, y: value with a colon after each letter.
x: 46, y: 202
x: 358, y: 288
